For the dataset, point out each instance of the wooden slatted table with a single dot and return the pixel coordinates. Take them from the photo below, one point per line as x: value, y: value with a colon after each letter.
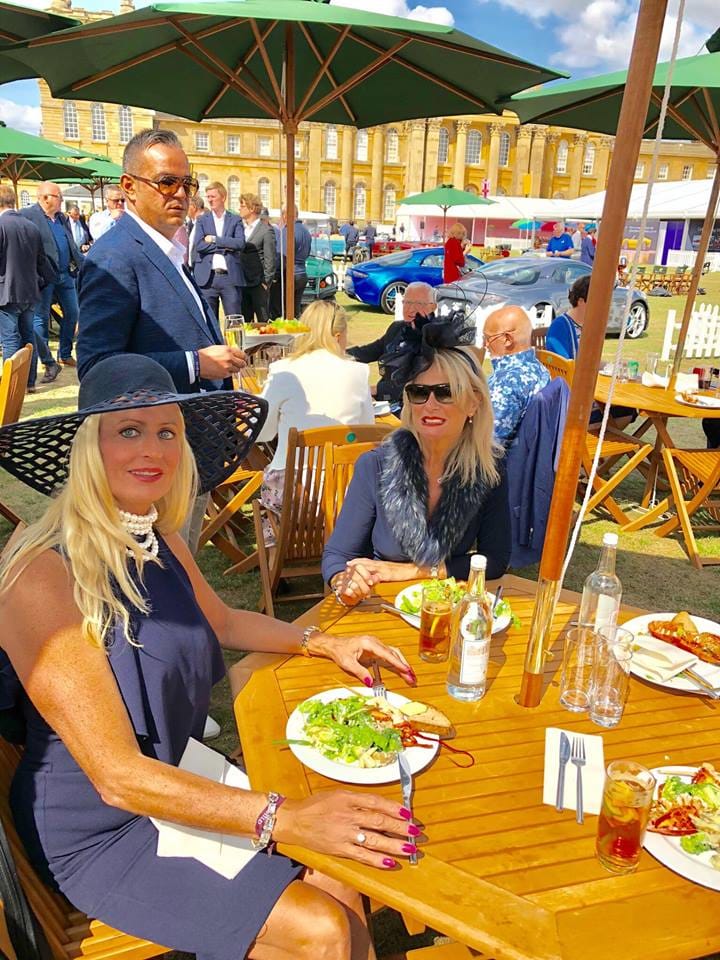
x: 500, y: 871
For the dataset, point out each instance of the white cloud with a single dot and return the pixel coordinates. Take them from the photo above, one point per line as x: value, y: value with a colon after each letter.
x: 399, y: 8
x: 20, y: 116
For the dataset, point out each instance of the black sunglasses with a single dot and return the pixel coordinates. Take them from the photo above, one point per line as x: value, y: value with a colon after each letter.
x: 168, y: 185
x: 420, y: 392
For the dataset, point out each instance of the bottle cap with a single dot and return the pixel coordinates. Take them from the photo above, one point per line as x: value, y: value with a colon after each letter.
x: 478, y: 562
x: 610, y: 539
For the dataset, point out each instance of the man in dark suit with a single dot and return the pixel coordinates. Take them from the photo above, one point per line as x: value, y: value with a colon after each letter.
x: 79, y: 229
x: 258, y: 259
x: 135, y: 294
x: 219, y: 242
x: 24, y: 269
x: 66, y: 259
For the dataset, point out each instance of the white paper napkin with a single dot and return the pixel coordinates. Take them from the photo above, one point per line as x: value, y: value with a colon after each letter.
x: 655, y: 380
x: 660, y: 660
x: 593, y: 773
x: 226, y: 854
x: 687, y: 381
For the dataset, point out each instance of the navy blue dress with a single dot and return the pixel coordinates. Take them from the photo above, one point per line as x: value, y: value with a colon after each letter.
x: 103, y: 859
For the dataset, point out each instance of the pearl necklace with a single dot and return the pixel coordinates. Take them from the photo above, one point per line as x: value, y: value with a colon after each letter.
x: 141, y: 526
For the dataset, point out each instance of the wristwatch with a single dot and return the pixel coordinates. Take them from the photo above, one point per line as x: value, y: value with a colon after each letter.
x: 305, y: 640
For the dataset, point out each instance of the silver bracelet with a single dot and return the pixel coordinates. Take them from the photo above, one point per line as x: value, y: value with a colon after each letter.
x: 267, y: 820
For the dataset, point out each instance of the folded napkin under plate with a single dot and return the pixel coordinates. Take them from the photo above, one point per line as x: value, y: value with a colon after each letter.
x: 593, y: 773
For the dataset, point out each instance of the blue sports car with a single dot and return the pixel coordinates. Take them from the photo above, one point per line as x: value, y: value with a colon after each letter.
x: 376, y: 282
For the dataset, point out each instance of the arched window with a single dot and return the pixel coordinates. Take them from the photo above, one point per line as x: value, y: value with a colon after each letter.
x: 443, y: 145
x: 24, y: 198
x: 203, y: 180
x: 359, y: 202
x: 329, y: 198
x: 361, y: 146
x: 70, y: 121
x: 331, y: 143
x: 561, y: 158
x: 471, y: 188
x: 473, y: 146
x: 504, y: 154
x: 389, y: 203
x: 589, y: 160
x: 233, y: 189
x: 97, y: 123
x: 392, y: 146
x: 264, y: 191
x: 125, y: 123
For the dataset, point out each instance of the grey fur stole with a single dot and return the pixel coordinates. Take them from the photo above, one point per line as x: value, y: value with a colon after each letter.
x: 403, y: 494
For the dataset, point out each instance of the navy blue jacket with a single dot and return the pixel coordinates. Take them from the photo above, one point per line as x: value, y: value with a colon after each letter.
x: 24, y: 267
x: 35, y: 214
x: 531, y: 462
x: 133, y: 300
x: 231, y: 245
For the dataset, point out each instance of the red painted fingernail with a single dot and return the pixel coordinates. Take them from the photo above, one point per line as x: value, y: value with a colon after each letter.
x: 409, y: 848
x: 405, y: 813
x: 414, y: 831
x: 367, y: 681
x: 389, y: 862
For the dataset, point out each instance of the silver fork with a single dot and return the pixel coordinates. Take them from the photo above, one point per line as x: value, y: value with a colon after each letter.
x: 578, y: 758
x: 378, y: 685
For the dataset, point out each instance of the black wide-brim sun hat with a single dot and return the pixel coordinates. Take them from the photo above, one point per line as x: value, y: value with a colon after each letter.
x: 220, y: 426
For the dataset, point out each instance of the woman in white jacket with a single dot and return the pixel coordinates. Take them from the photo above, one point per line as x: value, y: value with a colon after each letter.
x: 318, y: 386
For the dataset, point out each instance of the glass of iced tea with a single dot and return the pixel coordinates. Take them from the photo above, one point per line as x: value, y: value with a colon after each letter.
x: 627, y: 798
x: 435, y: 617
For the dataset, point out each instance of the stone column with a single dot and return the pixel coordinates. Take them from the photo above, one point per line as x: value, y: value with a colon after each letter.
x: 461, y: 129
x: 577, y: 155
x: 548, y: 173
x: 536, y: 158
x: 314, y: 184
x: 376, y: 181
x: 431, y: 154
x: 346, y: 174
x: 414, y: 157
x: 603, y: 152
x: 493, y: 156
x: 522, y: 160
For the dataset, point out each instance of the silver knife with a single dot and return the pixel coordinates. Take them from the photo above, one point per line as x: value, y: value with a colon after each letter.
x: 563, y: 758
x: 407, y: 785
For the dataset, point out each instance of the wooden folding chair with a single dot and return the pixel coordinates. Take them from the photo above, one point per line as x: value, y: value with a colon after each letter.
x: 300, y: 531
x: 556, y: 365
x: 694, y: 477
x: 225, y: 523
x: 339, y: 468
x: 13, y: 386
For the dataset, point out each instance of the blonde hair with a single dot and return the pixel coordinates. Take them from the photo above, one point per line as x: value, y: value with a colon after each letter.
x: 473, y: 458
x: 326, y: 321
x: 83, y: 521
x: 457, y: 230
x: 216, y: 185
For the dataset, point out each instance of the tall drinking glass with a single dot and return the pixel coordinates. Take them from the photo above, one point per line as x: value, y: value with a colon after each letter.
x: 578, y: 659
x: 234, y: 330
x: 651, y: 362
x: 624, y: 814
x: 610, y: 679
x: 435, y: 617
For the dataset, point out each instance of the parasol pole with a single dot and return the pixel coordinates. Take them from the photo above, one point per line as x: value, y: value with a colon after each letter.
x: 697, y: 269
x: 290, y: 126
x: 643, y: 60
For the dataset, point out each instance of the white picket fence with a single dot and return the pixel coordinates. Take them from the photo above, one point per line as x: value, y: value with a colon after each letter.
x: 703, y: 337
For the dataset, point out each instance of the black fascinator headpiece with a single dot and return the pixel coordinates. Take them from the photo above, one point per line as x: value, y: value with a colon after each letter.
x: 417, y: 352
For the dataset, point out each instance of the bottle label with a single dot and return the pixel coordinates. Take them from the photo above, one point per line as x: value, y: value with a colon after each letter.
x: 475, y: 631
x: 607, y: 611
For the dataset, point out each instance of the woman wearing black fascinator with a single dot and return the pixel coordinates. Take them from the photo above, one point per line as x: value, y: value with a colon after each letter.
x: 434, y: 491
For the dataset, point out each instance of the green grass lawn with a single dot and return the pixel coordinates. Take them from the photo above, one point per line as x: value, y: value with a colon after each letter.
x: 655, y: 573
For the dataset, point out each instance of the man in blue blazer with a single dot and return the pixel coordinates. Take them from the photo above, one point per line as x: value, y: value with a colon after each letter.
x: 216, y: 255
x: 136, y: 293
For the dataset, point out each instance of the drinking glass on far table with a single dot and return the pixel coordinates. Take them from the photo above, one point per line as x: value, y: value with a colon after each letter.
x: 578, y: 659
x: 610, y: 678
x: 435, y: 617
x: 703, y: 375
x: 624, y: 814
x: 633, y: 368
x: 260, y: 369
x: 651, y: 362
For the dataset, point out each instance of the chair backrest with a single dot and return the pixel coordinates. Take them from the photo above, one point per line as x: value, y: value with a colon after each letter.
x: 339, y: 468
x: 556, y: 365
x: 13, y: 385
x: 539, y: 336
x: 302, y: 516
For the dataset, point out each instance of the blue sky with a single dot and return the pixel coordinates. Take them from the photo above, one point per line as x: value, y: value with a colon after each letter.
x: 580, y: 37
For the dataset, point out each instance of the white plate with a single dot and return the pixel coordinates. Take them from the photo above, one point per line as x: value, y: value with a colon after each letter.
x: 706, y: 670
x: 703, y: 402
x: 381, y: 407
x: 413, y: 594
x: 668, y: 850
x: 417, y: 757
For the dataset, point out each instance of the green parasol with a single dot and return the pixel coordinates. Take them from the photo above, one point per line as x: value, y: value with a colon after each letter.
x: 291, y: 60
x: 27, y: 157
x: 22, y: 23
x: 445, y: 196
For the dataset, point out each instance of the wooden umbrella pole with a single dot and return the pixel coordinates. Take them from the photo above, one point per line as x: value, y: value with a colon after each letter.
x: 697, y: 269
x: 290, y: 127
x: 643, y: 60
